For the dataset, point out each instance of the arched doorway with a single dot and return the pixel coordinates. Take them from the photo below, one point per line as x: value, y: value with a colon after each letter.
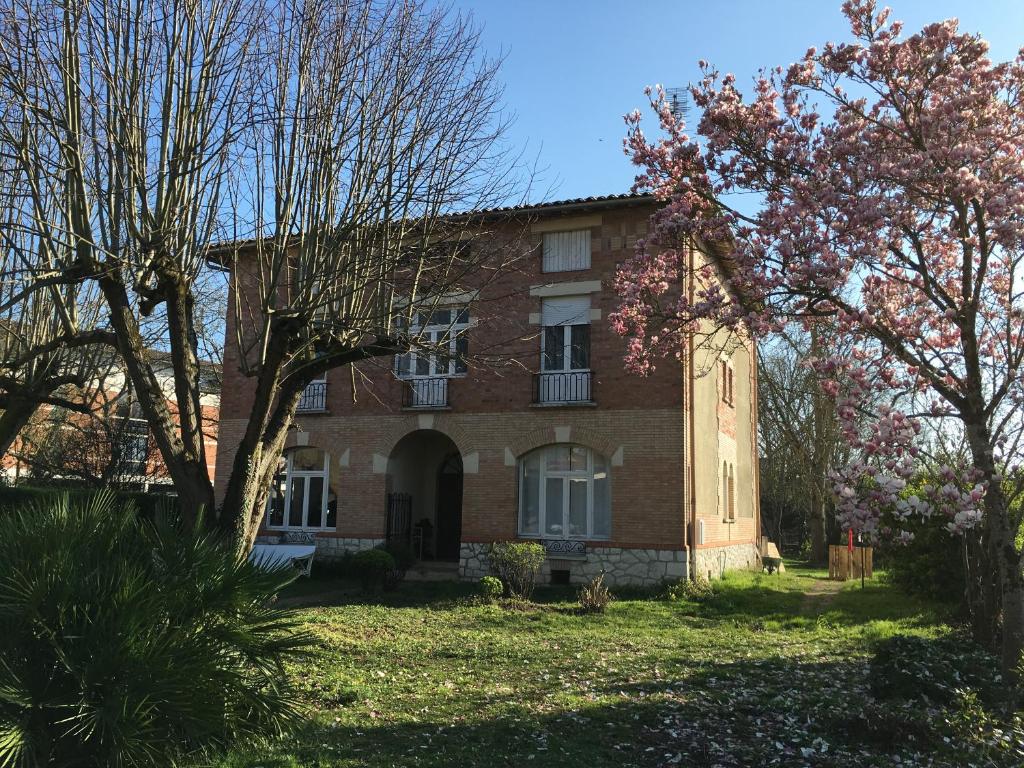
x: 424, y: 487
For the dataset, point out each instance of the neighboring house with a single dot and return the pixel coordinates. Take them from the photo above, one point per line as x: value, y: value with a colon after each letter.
x: 644, y: 478
x: 113, y: 443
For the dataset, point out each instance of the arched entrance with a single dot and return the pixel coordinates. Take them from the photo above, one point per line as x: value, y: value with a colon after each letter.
x: 424, y: 487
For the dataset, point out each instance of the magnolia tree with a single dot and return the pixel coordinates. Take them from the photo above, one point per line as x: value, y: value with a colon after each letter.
x: 889, y: 175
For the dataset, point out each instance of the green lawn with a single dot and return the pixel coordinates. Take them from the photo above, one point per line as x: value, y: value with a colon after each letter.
x: 767, y: 673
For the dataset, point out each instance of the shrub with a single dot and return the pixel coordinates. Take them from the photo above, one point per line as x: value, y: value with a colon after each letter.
x: 491, y: 588
x: 134, y: 642
x: 517, y: 564
x: 594, y: 597
x: 697, y: 590
x: 404, y: 559
x: 372, y: 567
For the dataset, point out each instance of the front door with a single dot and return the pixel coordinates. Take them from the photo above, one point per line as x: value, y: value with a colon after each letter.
x: 449, y: 508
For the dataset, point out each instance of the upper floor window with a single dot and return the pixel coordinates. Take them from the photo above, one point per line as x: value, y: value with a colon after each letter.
x: 565, y: 493
x: 443, y: 334
x: 301, y: 495
x: 565, y: 342
x: 727, y: 382
x: 566, y: 251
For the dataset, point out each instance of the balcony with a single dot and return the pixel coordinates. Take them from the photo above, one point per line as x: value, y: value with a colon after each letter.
x: 563, y: 388
x: 314, y: 398
x: 425, y: 393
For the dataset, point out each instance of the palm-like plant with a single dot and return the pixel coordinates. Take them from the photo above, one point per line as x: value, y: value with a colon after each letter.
x: 128, y: 642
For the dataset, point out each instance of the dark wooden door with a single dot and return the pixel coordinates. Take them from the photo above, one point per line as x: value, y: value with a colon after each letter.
x: 449, y: 509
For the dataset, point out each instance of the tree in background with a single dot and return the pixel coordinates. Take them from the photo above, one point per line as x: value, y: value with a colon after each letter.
x: 890, y: 185
x: 800, y: 444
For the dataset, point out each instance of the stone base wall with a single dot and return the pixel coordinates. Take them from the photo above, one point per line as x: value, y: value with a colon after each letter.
x: 633, y: 567
x: 330, y: 547
x: 623, y: 567
x: 711, y: 562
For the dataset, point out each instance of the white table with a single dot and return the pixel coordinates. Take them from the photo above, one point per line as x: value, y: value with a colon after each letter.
x: 271, y: 556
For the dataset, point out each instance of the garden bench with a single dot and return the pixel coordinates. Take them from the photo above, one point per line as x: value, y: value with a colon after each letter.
x: 296, y: 550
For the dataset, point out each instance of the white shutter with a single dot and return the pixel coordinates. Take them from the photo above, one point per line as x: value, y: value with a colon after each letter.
x: 565, y: 310
x: 567, y: 251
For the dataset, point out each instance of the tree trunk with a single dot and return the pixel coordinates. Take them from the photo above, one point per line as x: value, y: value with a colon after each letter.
x: 13, y: 420
x: 819, y: 542
x: 1002, y: 561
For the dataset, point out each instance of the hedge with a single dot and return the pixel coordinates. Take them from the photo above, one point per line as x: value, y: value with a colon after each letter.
x: 17, y: 496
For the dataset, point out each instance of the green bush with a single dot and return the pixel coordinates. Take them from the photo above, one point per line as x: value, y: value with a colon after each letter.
x: 696, y: 590
x: 14, y: 497
x: 491, y: 588
x: 372, y: 567
x: 931, y: 565
x: 517, y: 564
x: 595, y: 597
x: 132, y: 642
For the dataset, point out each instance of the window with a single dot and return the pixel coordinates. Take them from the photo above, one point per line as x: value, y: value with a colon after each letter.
x: 566, y: 251
x: 314, y: 396
x: 564, y: 493
x: 728, y: 492
x: 565, y: 350
x: 727, y: 383
x: 444, y: 334
x: 565, y: 342
x: 301, y: 495
x: 135, y: 446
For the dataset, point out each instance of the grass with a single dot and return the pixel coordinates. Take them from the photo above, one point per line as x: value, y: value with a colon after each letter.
x: 772, y: 670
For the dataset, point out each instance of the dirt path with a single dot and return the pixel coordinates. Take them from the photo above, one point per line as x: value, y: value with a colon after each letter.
x: 818, y: 595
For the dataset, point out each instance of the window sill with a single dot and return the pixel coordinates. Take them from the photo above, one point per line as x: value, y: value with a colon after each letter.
x: 312, y: 412
x: 409, y: 408
x: 566, y: 404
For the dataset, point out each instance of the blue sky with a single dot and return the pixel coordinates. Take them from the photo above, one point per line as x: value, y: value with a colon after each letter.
x: 574, y: 67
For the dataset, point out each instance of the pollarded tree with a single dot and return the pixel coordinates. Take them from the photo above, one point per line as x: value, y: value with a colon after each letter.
x: 890, y: 184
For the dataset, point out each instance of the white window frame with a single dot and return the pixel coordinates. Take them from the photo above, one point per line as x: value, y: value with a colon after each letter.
x: 567, y: 476
x: 289, y: 475
x: 566, y: 349
x: 433, y: 334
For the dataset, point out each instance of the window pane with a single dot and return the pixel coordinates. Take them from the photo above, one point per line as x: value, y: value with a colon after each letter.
x: 553, y: 522
x: 314, y: 515
x: 298, y: 496
x: 422, y: 363
x: 578, y: 507
x: 441, y: 317
x: 307, y: 460
x: 463, y: 317
x: 461, y: 352
x: 529, y: 502
x: 578, y: 458
x: 277, y: 499
x: 602, y: 503
x: 580, y: 347
x: 403, y: 365
x: 332, y: 507
x: 554, y: 348
x: 556, y: 458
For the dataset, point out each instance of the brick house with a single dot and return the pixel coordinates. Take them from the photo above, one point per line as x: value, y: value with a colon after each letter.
x: 113, y: 443
x: 644, y: 478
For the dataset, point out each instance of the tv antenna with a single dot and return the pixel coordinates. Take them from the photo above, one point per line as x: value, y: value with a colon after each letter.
x: 678, y: 103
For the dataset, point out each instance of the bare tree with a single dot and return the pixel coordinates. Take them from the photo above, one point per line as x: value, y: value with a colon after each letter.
x: 122, y: 117
x: 324, y: 144
x: 380, y: 121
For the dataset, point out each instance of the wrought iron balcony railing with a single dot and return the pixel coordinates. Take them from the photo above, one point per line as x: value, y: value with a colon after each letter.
x: 314, y: 397
x: 425, y: 393
x: 563, y: 387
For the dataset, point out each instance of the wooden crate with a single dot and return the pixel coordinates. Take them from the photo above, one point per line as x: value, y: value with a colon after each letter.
x: 843, y: 564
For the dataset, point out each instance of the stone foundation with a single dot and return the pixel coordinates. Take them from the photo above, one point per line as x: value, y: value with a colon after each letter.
x: 633, y: 567
x: 330, y: 547
x: 712, y: 562
x: 622, y: 566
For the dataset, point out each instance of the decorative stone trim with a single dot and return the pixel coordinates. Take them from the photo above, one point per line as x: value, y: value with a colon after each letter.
x: 439, y: 422
x: 548, y: 435
x: 566, y: 289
